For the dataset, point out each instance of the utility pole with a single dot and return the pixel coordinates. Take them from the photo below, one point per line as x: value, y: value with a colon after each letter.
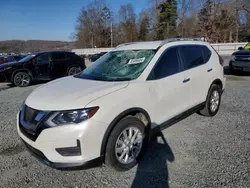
x: 237, y: 25
x: 92, y: 41
x: 111, y: 34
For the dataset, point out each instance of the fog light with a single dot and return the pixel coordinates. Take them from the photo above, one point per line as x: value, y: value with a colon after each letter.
x: 70, y: 151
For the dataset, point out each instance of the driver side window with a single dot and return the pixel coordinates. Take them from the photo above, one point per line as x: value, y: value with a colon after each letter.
x: 43, y: 59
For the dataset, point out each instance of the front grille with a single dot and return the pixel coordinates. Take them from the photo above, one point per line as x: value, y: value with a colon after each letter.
x: 30, y: 115
x: 31, y: 122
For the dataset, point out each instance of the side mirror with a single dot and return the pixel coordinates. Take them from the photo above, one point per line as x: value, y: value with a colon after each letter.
x: 240, y: 48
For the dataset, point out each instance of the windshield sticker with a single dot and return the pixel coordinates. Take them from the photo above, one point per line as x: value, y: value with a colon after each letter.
x: 136, y: 61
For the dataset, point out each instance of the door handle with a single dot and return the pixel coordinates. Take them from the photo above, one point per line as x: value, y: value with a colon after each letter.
x: 209, y: 70
x: 186, y: 80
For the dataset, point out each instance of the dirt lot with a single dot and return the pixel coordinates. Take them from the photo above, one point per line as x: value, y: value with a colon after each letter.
x: 199, y: 151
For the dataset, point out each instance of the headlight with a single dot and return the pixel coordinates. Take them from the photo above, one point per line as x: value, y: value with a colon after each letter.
x: 70, y: 117
x: 232, y: 57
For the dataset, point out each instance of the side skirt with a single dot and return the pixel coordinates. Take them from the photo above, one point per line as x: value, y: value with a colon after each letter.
x: 177, y: 118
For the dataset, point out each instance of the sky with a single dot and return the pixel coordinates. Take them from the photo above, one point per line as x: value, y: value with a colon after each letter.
x: 47, y: 19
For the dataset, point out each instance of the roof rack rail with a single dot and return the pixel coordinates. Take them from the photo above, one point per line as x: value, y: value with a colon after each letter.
x: 125, y: 44
x: 183, y: 39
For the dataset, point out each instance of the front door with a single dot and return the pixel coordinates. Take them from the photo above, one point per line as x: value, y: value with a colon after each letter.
x: 42, y: 66
x: 169, y: 87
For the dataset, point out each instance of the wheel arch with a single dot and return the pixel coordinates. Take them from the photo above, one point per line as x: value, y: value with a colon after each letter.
x: 217, y: 82
x: 73, y: 65
x: 128, y: 112
x: 21, y: 70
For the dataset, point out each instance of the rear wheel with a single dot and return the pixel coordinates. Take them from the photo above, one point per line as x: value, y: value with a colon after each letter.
x: 22, y: 79
x: 74, y: 70
x: 126, y: 144
x: 213, y: 101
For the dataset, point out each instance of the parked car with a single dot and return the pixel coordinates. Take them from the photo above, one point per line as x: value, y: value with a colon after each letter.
x: 108, y: 112
x: 2, y: 60
x: 97, y: 56
x: 240, y: 61
x: 41, y: 66
x: 18, y: 57
x: 246, y: 47
x: 10, y: 59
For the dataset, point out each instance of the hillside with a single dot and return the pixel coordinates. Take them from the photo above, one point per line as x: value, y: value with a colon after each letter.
x: 34, y: 45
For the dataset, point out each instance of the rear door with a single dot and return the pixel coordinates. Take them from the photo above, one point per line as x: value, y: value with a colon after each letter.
x: 169, y: 86
x: 42, y: 68
x: 58, y: 64
x: 197, y: 69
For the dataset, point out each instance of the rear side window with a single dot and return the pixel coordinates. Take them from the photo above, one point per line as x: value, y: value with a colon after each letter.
x: 191, y: 56
x: 167, y: 65
x: 58, y: 56
x: 72, y: 56
x: 206, y: 53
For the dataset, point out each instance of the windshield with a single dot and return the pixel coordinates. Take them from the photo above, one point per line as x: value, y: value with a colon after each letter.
x: 27, y: 58
x: 119, y: 65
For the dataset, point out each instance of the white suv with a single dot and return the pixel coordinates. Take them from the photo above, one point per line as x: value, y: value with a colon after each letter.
x: 107, y: 113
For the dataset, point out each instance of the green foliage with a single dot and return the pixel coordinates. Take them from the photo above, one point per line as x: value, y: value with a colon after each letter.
x: 167, y: 19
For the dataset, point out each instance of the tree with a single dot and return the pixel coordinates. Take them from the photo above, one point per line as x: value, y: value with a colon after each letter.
x: 167, y: 18
x: 144, y: 26
x: 206, y: 19
x: 127, y: 23
x: 183, y: 9
x: 93, y: 26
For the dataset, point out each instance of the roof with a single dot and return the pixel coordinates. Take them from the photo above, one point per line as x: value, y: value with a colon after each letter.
x: 36, y: 53
x: 153, y: 45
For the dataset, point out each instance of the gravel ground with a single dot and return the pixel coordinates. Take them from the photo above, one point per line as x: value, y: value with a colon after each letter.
x: 197, y: 152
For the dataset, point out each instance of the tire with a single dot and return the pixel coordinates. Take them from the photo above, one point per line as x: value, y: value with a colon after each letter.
x: 213, y: 101
x: 116, y: 138
x: 74, y: 70
x: 22, y: 79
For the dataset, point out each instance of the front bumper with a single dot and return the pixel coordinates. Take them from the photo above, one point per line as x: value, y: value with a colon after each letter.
x: 2, y: 77
x: 63, y: 166
x: 240, y: 65
x: 89, y: 134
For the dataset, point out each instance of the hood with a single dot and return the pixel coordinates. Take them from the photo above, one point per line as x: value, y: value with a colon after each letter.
x: 10, y: 64
x: 70, y: 93
x: 242, y: 52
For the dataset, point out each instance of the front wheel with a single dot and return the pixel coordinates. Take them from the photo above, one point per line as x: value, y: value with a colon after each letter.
x: 22, y: 79
x: 213, y: 101
x: 126, y: 144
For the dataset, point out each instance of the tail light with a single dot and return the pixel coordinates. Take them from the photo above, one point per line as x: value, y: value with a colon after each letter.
x: 221, y: 60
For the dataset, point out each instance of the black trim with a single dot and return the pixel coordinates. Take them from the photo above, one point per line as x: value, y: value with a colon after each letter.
x: 63, y: 166
x: 116, y: 120
x: 178, y: 118
x: 70, y: 151
x: 33, y: 132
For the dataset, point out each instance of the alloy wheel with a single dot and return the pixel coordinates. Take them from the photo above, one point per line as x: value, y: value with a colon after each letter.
x: 214, y: 101
x: 128, y: 145
x: 22, y: 79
